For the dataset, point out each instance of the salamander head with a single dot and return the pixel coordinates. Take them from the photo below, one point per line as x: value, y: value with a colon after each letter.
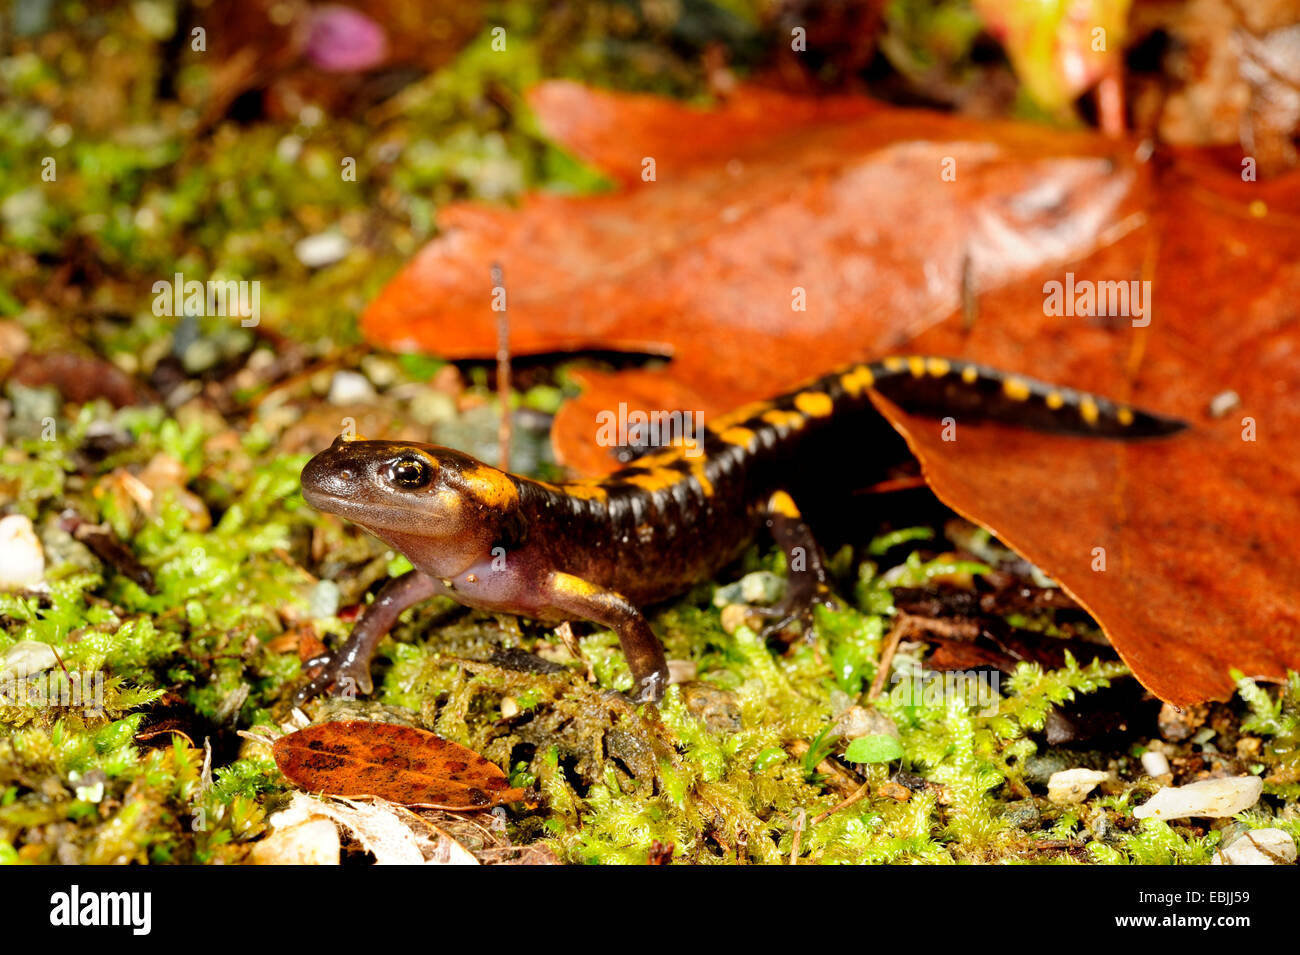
x: 443, y: 509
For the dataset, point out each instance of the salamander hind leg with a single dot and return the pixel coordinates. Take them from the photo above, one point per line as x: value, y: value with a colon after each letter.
x: 645, y: 655
x: 807, y: 584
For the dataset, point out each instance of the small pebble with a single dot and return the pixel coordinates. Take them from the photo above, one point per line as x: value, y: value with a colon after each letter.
x: 14, y: 339
x: 380, y: 371
x: 716, y: 708
x: 1178, y: 724
x: 1213, y: 798
x: 892, y: 790
x: 324, y: 600
x: 682, y: 671
x: 429, y: 407
x: 1040, y: 767
x: 1072, y: 786
x: 1023, y: 814
x: 1258, y: 847
x: 735, y: 616
x: 760, y: 587
x: 27, y: 657
x: 859, y: 721
x: 1155, y: 764
x: 325, y: 248
x: 22, y: 560
x: 350, y: 388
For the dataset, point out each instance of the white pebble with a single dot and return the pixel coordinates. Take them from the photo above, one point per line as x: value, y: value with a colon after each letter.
x: 324, y: 600
x: 350, y: 388
x: 1155, y: 764
x: 324, y: 248
x: 22, y: 561
x: 27, y: 657
x: 1073, y: 785
x: 1214, y: 798
x: 859, y: 721
x: 1258, y: 847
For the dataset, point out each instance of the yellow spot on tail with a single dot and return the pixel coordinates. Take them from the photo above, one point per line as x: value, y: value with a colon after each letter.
x: 938, y: 367
x: 815, y: 404
x: 738, y: 435
x: 916, y: 365
x: 970, y: 374
x: 590, y: 489
x: 490, y: 486
x: 1125, y: 416
x: 784, y: 420
x: 1088, y: 410
x: 663, y: 456
x: 739, y: 416
x: 858, y: 380
x: 1054, y: 400
x: 894, y: 363
x: 699, y: 471
x: 781, y: 503
x: 1015, y: 389
x: 656, y: 480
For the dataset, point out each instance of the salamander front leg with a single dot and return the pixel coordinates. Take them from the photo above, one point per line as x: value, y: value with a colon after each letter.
x: 644, y: 653
x: 803, y: 558
x: 350, y: 666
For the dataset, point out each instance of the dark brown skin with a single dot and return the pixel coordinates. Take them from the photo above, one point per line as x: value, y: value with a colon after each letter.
x: 599, y: 549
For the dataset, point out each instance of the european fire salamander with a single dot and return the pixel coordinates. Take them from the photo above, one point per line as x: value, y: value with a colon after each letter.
x: 598, y: 549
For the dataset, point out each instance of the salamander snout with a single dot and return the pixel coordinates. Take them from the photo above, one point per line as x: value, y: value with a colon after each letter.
x: 376, y: 483
x: 325, y: 478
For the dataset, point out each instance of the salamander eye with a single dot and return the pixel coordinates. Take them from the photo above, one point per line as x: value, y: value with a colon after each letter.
x: 410, y: 472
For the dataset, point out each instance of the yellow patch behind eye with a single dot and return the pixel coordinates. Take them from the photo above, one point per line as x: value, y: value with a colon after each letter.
x: 815, y: 404
x: 1088, y: 410
x: 490, y: 486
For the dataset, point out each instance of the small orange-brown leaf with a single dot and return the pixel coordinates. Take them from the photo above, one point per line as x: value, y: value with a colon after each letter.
x: 399, y: 763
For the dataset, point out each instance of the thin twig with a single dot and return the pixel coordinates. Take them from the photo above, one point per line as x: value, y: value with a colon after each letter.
x: 800, y: 819
x: 901, y: 624
x: 503, y: 364
x: 857, y: 795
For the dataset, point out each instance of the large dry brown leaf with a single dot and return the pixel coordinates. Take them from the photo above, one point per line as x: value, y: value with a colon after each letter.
x: 1199, y: 532
x: 402, y: 764
x: 841, y: 197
